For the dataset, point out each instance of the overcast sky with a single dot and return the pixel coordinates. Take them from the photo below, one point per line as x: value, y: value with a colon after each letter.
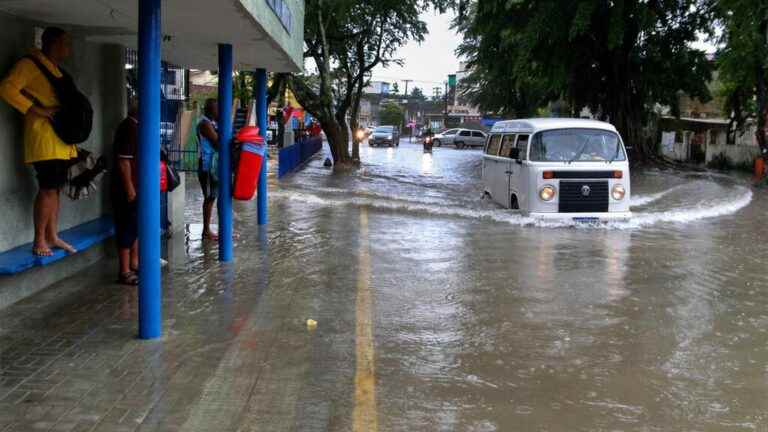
x: 428, y: 63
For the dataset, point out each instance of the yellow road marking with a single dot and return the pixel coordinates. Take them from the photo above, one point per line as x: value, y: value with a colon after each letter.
x: 364, y: 416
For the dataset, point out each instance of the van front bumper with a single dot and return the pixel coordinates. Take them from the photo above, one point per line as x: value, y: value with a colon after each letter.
x: 583, y: 217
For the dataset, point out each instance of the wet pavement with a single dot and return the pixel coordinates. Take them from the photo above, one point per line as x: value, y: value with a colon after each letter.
x: 435, y: 309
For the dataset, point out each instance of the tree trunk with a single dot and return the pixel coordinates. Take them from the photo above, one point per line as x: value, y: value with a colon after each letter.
x: 280, y: 138
x: 762, y: 98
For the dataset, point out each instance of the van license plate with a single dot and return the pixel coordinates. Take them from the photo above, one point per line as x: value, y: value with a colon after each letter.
x: 586, y: 220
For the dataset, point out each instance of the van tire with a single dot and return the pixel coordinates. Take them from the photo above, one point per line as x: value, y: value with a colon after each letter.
x: 437, y: 143
x: 459, y: 145
x: 513, y: 204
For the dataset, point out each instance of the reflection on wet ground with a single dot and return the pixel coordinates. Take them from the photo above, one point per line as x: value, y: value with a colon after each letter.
x: 436, y: 310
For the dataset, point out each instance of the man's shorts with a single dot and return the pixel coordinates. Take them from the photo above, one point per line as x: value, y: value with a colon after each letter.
x: 126, y: 223
x: 208, y: 183
x: 51, y: 174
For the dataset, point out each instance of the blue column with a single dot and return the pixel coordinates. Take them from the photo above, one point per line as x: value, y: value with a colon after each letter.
x: 150, y: 292
x: 225, y: 153
x: 261, y: 118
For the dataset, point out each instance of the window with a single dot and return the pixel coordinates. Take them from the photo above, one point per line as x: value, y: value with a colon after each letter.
x: 450, y: 132
x: 478, y: 134
x: 283, y: 12
x: 522, y: 145
x: 493, y: 145
x: 574, y: 145
x: 507, y: 144
x: 465, y: 133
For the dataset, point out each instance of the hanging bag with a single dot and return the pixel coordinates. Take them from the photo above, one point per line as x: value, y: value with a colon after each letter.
x: 73, y: 121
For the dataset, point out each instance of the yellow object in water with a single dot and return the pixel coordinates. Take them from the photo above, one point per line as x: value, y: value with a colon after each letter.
x: 311, y: 324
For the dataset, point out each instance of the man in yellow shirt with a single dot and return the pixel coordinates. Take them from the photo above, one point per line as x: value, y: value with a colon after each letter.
x: 28, y: 90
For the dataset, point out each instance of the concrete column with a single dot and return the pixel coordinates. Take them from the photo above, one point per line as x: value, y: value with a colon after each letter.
x: 261, y: 119
x: 225, y: 153
x: 150, y: 290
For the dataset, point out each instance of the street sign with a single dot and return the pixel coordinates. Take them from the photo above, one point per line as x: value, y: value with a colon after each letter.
x: 452, y: 80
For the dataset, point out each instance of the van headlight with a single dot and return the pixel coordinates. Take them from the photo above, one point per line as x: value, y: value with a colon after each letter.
x: 389, y: 137
x: 618, y: 192
x: 547, y: 193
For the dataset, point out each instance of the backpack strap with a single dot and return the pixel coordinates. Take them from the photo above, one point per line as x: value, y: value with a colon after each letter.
x: 47, y: 72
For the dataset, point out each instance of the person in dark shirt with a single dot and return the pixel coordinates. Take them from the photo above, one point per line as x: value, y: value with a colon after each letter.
x: 124, y: 185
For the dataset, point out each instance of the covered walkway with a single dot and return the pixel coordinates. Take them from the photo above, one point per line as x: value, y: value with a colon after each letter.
x: 252, y: 35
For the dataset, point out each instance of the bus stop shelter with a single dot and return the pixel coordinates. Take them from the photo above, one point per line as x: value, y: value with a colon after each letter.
x: 252, y: 35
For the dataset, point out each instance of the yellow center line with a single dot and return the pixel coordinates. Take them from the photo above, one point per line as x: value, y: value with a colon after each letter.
x: 365, y: 414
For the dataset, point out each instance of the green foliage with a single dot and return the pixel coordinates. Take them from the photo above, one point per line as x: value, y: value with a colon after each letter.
x: 617, y: 58
x: 743, y: 56
x: 418, y: 94
x: 346, y: 39
x: 391, y: 114
x: 395, y: 88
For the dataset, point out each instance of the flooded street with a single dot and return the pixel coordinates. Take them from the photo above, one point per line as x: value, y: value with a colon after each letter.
x: 435, y: 310
x: 483, y: 320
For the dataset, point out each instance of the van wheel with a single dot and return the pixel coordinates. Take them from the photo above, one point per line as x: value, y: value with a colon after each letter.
x: 459, y: 145
x: 437, y: 143
x: 513, y: 204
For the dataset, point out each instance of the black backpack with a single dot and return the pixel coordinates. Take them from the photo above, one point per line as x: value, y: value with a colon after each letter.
x: 74, y: 119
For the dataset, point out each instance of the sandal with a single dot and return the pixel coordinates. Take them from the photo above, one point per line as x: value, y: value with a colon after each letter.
x: 128, y: 278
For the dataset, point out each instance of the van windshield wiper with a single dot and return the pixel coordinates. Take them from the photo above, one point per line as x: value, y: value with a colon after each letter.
x: 578, y: 154
x: 616, y: 155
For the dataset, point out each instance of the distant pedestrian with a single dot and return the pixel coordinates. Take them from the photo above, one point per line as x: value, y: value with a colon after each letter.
x: 27, y: 89
x: 124, y: 186
x: 208, y: 137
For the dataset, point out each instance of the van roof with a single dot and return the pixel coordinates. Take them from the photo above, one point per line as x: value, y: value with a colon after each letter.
x: 537, y: 124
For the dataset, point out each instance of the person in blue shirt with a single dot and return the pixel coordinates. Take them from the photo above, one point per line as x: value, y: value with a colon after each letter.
x: 208, y: 137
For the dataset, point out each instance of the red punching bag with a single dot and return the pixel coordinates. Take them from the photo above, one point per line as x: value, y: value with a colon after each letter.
x: 249, y: 167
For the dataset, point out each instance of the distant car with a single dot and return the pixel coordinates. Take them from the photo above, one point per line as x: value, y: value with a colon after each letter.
x: 385, y: 136
x: 461, y: 138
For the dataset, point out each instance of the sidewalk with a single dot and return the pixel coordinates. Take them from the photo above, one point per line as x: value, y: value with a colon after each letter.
x: 236, y: 353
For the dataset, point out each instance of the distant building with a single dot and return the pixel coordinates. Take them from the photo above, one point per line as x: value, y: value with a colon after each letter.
x: 378, y: 87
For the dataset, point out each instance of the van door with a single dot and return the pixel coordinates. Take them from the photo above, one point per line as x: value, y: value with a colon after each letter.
x: 518, y: 179
x: 509, y: 168
x: 491, y: 173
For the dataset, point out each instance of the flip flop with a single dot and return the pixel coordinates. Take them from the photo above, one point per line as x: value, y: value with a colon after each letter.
x: 128, y: 278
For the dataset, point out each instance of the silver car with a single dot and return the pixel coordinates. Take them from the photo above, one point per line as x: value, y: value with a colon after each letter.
x: 461, y: 138
x: 385, y: 136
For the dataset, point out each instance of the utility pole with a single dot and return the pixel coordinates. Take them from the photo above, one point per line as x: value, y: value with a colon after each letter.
x: 445, y: 113
x: 407, y: 117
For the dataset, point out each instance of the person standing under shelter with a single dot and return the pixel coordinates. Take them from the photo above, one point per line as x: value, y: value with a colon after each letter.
x: 27, y: 89
x: 208, y: 137
x: 124, y: 186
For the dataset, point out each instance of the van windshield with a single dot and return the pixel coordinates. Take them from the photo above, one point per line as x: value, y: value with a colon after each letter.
x: 383, y: 129
x: 576, y: 145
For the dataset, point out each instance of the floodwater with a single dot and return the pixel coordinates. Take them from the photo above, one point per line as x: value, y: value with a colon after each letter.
x: 431, y: 309
x: 484, y: 320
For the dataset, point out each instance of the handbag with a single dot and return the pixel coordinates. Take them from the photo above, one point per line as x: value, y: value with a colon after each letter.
x: 172, y: 177
x: 83, y: 172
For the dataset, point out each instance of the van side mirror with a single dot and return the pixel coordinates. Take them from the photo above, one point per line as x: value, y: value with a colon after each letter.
x: 514, y: 153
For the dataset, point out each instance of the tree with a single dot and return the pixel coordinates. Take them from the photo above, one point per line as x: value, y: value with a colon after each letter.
x: 391, y: 113
x: 395, y: 88
x: 743, y: 63
x: 346, y: 39
x: 617, y: 58
x: 418, y: 94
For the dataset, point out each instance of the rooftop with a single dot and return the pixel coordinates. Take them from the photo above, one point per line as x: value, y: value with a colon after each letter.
x: 535, y: 124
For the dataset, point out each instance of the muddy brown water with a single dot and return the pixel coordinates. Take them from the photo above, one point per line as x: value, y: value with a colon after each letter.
x: 483, y: 320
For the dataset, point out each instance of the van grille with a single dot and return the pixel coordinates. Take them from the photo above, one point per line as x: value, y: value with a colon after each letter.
x: 574, y: 200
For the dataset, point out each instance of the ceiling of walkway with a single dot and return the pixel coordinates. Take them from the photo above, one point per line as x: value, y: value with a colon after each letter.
x: 192, y: 29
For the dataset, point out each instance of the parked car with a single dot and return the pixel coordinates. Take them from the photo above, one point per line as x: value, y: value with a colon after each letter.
x: 461, y: 138
x: 385, y: 136
x: 558, y: 169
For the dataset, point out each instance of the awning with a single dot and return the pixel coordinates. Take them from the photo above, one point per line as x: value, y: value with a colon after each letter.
x: 192, y: 29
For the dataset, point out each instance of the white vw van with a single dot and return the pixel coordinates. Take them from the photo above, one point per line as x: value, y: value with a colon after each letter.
x: 558, y: 168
